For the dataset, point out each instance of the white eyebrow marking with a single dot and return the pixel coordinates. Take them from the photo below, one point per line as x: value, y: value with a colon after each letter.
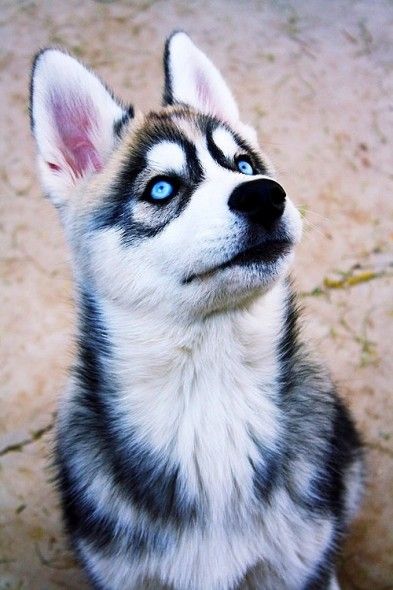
x: 225, y: 141
x: 167, y: 155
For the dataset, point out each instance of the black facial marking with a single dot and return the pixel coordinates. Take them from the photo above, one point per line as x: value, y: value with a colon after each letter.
x: 118, y: 208
x: 194, y: 167
x: 244, y: 149
x: 215, y: 151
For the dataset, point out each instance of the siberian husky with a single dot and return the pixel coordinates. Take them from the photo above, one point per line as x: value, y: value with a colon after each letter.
x: 199, y: 445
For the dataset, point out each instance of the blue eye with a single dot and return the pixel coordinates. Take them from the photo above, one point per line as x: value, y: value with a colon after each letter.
x: 245, y: 167
x: 162, y: 189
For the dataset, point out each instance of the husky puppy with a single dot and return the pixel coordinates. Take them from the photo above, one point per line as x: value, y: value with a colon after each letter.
x: 199, y: 447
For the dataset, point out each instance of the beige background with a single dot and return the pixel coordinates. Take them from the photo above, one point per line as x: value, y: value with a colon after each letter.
x: 315, y: 78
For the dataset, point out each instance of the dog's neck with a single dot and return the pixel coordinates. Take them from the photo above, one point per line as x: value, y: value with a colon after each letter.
x: 147, y: 345
x: 199, y: 394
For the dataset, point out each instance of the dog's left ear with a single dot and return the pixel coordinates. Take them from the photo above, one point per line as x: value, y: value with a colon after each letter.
x: 192, y: 79
x: 74, y: 120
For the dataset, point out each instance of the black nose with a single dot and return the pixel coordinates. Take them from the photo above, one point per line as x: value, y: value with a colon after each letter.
x: 261, y: 200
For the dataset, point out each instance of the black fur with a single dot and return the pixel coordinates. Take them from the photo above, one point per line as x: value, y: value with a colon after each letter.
x: 302, y: 383
x: 267, y: 471
x: 168, y: 90
x: 31, y: 86
x: 135, y: 472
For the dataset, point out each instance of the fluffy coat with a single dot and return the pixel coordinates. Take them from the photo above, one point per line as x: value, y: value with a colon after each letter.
x: 199, y: 444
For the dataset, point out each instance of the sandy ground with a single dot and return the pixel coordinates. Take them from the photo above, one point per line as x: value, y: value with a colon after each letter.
x: 315, y: 78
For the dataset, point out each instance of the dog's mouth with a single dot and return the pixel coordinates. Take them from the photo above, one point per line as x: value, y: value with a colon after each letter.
x: 267, y: 252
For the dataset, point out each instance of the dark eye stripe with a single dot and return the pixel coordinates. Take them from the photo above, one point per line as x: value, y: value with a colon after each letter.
x: 126, y: 190
x: 194, y: 167
x: 222, y: 160
x: 215, y: 151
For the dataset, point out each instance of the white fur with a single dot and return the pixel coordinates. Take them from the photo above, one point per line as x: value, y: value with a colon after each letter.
x: 334, y: 584
x: 354, y: 479
x: 198, y: 368
x: 225, y: 141
x: 167, y: 156
x: 197, y: 82
x: 212, y: 560
x: 198, y: 371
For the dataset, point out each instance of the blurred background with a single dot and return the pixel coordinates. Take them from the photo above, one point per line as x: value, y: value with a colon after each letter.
x: 316, y: 80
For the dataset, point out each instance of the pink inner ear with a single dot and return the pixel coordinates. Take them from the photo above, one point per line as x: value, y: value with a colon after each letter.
x: 205, y: 96
x: 75, y: 120
x: 202, y: 89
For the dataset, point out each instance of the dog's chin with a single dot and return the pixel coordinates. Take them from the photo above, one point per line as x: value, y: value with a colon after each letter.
x: 242, y: 278
x: 258, y: 264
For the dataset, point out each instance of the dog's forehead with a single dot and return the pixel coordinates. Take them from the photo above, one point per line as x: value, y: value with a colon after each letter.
x: 178, y: 119
x: 163, y: 136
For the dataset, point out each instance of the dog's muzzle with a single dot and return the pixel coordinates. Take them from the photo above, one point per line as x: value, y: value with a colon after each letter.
x: 261, y: 203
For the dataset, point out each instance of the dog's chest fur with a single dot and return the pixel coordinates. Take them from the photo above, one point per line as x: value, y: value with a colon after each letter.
x: 202, y: 395
x: 204, y: 403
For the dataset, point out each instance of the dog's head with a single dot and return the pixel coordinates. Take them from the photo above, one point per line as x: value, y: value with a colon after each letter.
x: 174, y: 208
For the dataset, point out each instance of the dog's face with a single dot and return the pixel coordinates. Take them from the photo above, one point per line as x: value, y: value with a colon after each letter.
x: 177, y: 208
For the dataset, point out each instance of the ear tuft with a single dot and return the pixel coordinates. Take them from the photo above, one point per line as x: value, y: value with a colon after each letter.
x: 192, y: 79
x: 73, y: 119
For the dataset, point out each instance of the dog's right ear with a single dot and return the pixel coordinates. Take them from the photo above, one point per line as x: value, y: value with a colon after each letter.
x: 74, y: 119
x: 192, y: 79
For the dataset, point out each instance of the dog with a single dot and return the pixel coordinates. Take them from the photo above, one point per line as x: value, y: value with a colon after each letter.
x: 199, y: 444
